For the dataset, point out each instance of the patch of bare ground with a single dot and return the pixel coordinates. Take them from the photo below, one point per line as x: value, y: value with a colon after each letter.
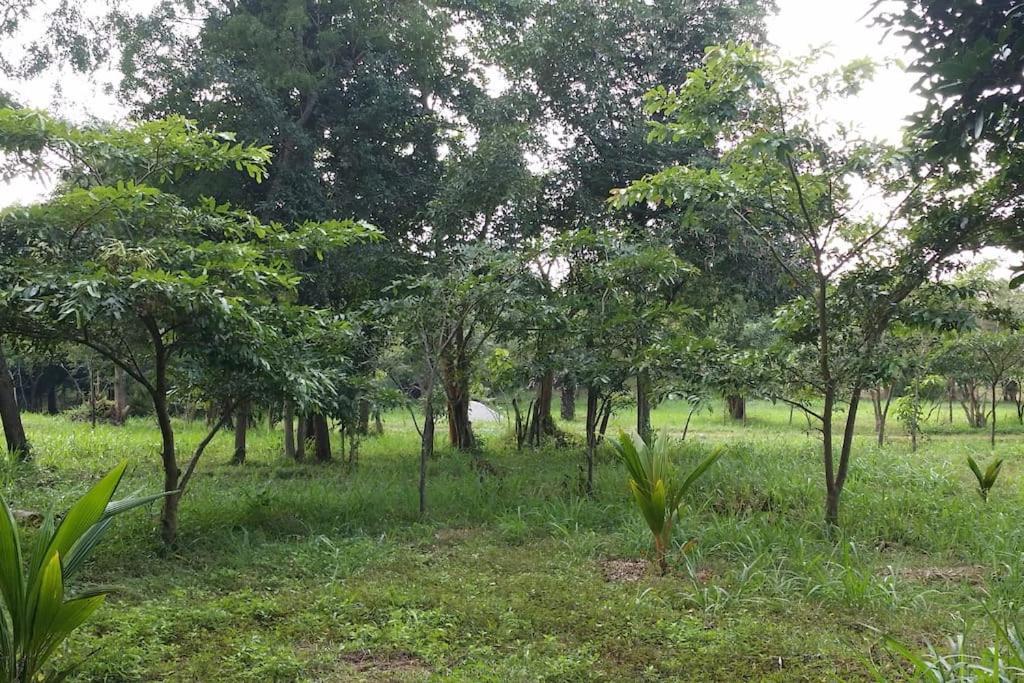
x: 364, y: 665
x: 624, y: 571
x: 454, y: 536
x: 969, y: 574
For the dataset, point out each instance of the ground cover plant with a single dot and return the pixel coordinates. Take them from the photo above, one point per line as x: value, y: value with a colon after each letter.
x: 321, y: 572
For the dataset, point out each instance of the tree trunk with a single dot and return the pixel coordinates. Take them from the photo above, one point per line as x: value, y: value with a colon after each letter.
x: 426, y: 446
x: 10, y: 414
x: 543, y: 424
x: 568, y: 406
x: 643, y: 406
x: 378, y: 423
x: 322, y: 436
x: 301, y: 438
x: 455, y: 375
x: 363, y: 424
x: 169, y: 515
x: 737, y: 407
x: 288, y: 418
x: 241, y: 428
x: 593, y: 415
x: 993, y: 438
x: 51, y: 399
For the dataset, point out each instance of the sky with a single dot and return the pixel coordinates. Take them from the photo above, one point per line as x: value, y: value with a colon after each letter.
x: 835, y: 28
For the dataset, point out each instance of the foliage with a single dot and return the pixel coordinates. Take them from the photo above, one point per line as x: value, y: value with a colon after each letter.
x: 787, y: 173
x: 37, y: 615
x: 116, y: 261
x: 987, y: 479
x: 1001, y: 663
x: 656, y: 487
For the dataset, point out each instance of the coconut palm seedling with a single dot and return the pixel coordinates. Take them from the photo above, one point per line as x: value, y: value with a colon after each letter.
x: 36, y: 615
x: 987, y: 479
x: 657, y: 488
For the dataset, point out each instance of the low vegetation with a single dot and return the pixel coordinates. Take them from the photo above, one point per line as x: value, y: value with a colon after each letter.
x: 323, y: 572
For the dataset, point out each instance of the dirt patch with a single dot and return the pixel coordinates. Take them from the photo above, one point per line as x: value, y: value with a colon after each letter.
x: 624, y: 571
x: 454, y: 536
x: 957, y: 574
x: 387, y: 663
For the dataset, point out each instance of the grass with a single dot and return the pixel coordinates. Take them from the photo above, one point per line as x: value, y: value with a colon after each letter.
x: 324, y: 573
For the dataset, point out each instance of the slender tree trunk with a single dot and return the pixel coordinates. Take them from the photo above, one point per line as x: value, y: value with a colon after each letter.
x: 322, y: 436
x: 593, y: 415
x: 93, y: 389
x: 10, y: 414
x: 363, y: 424
x: 606, y: 415
x: 288, y: 418
x: 169, y: 515
x: 426, y: 446
x: 846, y: 450
x: 51, y: 400
x: 378, y: 423
x: 643, y: 406
x: 568, y: 403
x: 241, y: 429
x: 301, y: 438
x: 993, y: 437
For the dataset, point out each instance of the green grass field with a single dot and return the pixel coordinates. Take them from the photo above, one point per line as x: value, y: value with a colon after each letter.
x: 326, y: 573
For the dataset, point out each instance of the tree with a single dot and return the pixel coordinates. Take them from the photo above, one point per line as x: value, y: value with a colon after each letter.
x: 787, y: 174
x: 116, y: 262
x: 579, y: 68
x: 969, y: 57
x: 467, y: 296
x: 997, y: 354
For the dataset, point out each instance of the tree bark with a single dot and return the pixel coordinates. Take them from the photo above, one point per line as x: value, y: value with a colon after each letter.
x: 426, y: 446
x: 289, y: 430
x: 241, y: 429
x: 542, y: 423
x: 10, y: 414
x: 301, y: 438
x: 643, y: 406
x: 455, y: 376
x: 51, y: 400
x: 169, y: 515
x: 322, y: 438
x: 737, y: 407
x: 592, y: 418
x: 568, y: 402
x: 993, y: 437
x: 120, y: 395
x: 363, y: 424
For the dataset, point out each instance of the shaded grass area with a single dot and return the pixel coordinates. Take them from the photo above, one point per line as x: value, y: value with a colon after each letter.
x: 320, y: 572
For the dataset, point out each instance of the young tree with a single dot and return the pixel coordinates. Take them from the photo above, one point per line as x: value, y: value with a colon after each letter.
x: 998, y: 354
x: 118, y: 263
x: 468, y: 296
x: 787, y: 173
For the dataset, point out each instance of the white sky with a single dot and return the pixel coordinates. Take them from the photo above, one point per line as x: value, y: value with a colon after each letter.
x: 833, y: 26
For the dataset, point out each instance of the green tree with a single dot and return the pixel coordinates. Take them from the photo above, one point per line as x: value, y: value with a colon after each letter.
x: 786, y: 173
x: 116, y: 262
x: 971, y: 63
